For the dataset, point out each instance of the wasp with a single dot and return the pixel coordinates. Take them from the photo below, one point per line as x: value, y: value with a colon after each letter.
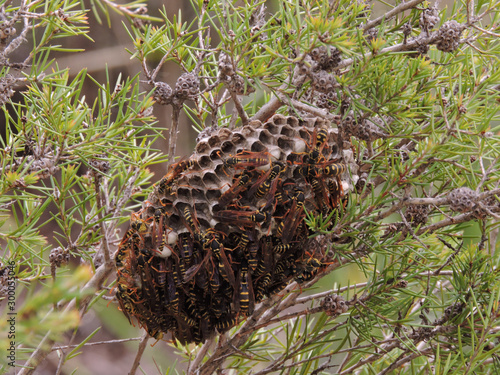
x: 186, y: 319
x: 197, y: 334
x: 161, y: 281
x: 217, y: 305
x: 187, y: 248
x: 125, y: 297
x: 292, y: 218
x: 311, y: 269
x: 172, y: 293
x: 144, y: 257
x: 137, y: 225
x: 332, y: 170
x: 191, y: 223
x: 148, y: 286
x: 121, y: 253
x: 247, y: 159
x: 275, y: 197
x: 263, y: 184
x: 162, y: 274
x: 335, y: 190
x: 265, y: 260
x: 225, y: 323
x: 252, y: 250
x: 283, y: 268
x: 264, y: 281
x: 192, y: 307
x: 281, y: 248
x: 169, y: 323
x: 165, y: 250
x: 243, y: 241
x: 320, y: 195
x: 159, y: 213
x: 173, y: 172
x: 205, y: 318
x: 243, y: 218
x: 277, y: 287
x: 315, y: 154
x: 198, y: 271
x: 281, y: 276
x: 246, y: 292
x: 211, y: 242
x: 214, y: 282
x: 235, y: 190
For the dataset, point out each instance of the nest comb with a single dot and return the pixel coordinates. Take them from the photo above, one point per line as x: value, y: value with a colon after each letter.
x: 225, y: 228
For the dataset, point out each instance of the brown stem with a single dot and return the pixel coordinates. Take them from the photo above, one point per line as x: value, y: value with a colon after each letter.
x: 104, y: 231
x: 140, y: 352
x: 241, y: 111
x: 172, y: 141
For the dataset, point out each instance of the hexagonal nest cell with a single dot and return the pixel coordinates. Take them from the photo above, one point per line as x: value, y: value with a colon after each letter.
x: 223, y: 230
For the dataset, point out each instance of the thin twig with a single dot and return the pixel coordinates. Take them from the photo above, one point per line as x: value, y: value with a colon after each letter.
x: 239, y: 107
x: 390, y: 14
x: 140, y: 352
x: 200, y: 355
x: 172, y: 140
x: 100, y: 213
x: 62, y: 347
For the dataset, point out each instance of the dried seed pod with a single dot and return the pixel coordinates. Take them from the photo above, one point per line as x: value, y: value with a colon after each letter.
x: 6, y: 31
x: 429, y: 18
x: 366, y: 129
x: 449, y: 36
x: 141, y: 23
x: 4, y: 278
x: 187, y: 86
x: 462, y: 199
x: 307, y: 66
x: 239, y: 86
x: 6, y: 88
x: 327, y: 58
x: 163, y: 93
x: 99, y: 166
x: 402, y: 284
x: 417, y: 214
x: 422, y: 49
x: 454, y: 310
x: 334, y: 305
x: 59, y: 257
x: 225, y: 64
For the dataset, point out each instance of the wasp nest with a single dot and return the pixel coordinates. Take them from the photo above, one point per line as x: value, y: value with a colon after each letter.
x: 226, y: 227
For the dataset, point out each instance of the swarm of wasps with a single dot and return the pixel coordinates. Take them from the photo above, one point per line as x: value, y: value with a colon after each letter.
x: 225, y: 228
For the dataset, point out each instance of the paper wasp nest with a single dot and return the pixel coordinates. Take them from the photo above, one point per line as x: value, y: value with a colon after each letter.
x: 225, y: 228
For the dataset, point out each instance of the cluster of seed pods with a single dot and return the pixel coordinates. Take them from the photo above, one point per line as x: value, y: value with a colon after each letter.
x: 226, y: 227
